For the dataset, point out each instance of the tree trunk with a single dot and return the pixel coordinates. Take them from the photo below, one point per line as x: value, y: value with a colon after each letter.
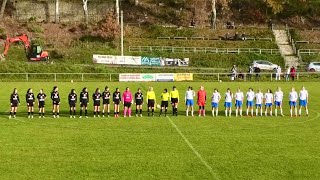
x: 85, y: 9
x: 57, y: 15
x: 3, y: 7
x: 213, y: 14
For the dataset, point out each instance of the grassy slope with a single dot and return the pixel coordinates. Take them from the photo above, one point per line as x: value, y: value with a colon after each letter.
x: 235, y: 148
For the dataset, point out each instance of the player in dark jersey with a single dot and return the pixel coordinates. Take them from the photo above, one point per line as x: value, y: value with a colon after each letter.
x: 14, y: 101
x: 96, y: 97
x: 139, y: 102
x: 84, y: 101
x: 41, y: 102
x: 72, y: 98
x: 116, y: 102
x: 106, y: 101
x: 55, y: 97
x: 30, y: 102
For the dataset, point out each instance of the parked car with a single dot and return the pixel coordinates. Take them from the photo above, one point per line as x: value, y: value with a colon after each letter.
x: 264, y: 65
x: 313, y: 67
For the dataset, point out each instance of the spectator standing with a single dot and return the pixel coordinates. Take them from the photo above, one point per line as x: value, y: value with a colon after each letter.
x: 250, y: 72
x: 293, y: 73
x: 288, y: 74
x: 233, y: 72
x: 257, y: 71
x: 278, y: 73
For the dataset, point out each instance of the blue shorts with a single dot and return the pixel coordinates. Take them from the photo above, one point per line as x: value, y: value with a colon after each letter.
x: 268, y: 104
x: 277, y: 103
x: 189, y: 102
x: 214, y: 105
x: 227, y: 104
x: 238, y: 103
x: 303, y: 103
x: 250, y: 103
x: 258, y: 105
x: 292, y: 103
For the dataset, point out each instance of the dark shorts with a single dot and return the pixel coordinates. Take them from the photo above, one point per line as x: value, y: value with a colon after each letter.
x: 41, y: 104
x: 96, y: 103
x: 14, y: 104
x: 117, y: 102
x: 30, y: 103
x: 106, y: 101
x: 164, y: 104
x: 84, y: 104
x: 72, y: 104
x: 56, y: 102
x: 127, y: 104
x: 138, y: 102
x: 151, y: 103
x: 174, y: 100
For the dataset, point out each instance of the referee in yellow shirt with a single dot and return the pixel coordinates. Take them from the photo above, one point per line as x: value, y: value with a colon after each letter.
x: 174, y: 94
x: 165, y: 97
x: 151, y: 100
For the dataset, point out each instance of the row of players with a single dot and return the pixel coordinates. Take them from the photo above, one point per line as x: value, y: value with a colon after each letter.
x: 258, y: 99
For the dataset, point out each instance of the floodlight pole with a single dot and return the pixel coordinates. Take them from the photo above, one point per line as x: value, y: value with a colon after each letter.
x: 121, y: 33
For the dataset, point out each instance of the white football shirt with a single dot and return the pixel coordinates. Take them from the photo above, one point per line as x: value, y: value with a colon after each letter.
x: 259, y: 98
x: 250, y: 96
x: 293, y: 96
x: 239, y: 96
x: 228, y: 97
x: 303, y: 95
x: 278, y: 96
x: 216, y: 97
x: 190, y: 94
x: 268, y: 97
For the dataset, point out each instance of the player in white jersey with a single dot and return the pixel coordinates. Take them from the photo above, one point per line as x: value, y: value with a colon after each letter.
x: 188, y: 99
x: 215, y: 99
x: 250, y: 98
x: 303, y: 100
x: 278, y: 98
x: 293, y: 97
x: 239, y: 101
x: 259, y: 102
x: 268, y: 102
x: 228, y: 102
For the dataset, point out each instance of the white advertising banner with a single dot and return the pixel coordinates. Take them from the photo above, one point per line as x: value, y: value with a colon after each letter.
x: 104, y: 59
x: 136, y: 77
x: 165, y: 77
x: 128, y: 60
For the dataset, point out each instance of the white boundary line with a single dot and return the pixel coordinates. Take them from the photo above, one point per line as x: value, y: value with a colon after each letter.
x: 214, y: 175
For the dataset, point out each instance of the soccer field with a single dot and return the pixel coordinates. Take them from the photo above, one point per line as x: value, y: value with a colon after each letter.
x: 158, y: 147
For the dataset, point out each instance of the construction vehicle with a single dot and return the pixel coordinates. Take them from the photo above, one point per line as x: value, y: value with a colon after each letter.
x: 34, y: 52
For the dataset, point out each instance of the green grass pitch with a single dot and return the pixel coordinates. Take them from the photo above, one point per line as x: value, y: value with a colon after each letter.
x: 158, y: 147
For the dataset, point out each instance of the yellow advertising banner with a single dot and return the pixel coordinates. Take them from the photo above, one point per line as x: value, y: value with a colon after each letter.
x: 183, y: 76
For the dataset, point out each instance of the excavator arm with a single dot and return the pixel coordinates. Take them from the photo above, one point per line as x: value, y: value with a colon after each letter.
x: 24, y: 38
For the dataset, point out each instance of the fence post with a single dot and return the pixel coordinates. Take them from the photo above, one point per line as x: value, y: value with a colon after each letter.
x: 271, y: 76
x: 218, y: 77
x: 82, y: 77
x: 27, y: 78
x: 297, y: 76
x: 110, y: 77
x: 245, y: 77
x: 55, y: 77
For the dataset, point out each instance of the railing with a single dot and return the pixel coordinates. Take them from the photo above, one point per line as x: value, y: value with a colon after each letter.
x: 308, y: 51
x: 113, y: 77
x: 213, y: 39
x: 208, y: 50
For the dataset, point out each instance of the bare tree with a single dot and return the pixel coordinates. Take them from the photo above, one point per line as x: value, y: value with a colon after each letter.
x: 3, y: 7
x: 213, y: 14
x: 57, y: 14
x: 85, y: 9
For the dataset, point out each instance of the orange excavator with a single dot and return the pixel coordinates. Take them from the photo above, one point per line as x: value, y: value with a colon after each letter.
x: 34, y: 52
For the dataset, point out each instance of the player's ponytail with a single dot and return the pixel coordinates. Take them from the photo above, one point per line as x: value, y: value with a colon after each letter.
x: 84, y: 89
x: 28, y: 90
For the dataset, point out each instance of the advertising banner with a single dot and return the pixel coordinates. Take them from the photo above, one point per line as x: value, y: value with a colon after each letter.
x: 103, y: 59
x: 128, y: 60
x: 150, y: 61
x: 183, y: 77
x: 165, y: 77
x: 176, y: 62
x: 136, y: 77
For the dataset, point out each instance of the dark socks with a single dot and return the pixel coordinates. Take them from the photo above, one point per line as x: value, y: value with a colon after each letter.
x: 80, y: 112
x: 85, y: 112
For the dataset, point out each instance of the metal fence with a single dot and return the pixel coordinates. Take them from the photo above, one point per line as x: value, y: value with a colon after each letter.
x: 114, y: 77
x: 309, y: 51
x: 208, y: 50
